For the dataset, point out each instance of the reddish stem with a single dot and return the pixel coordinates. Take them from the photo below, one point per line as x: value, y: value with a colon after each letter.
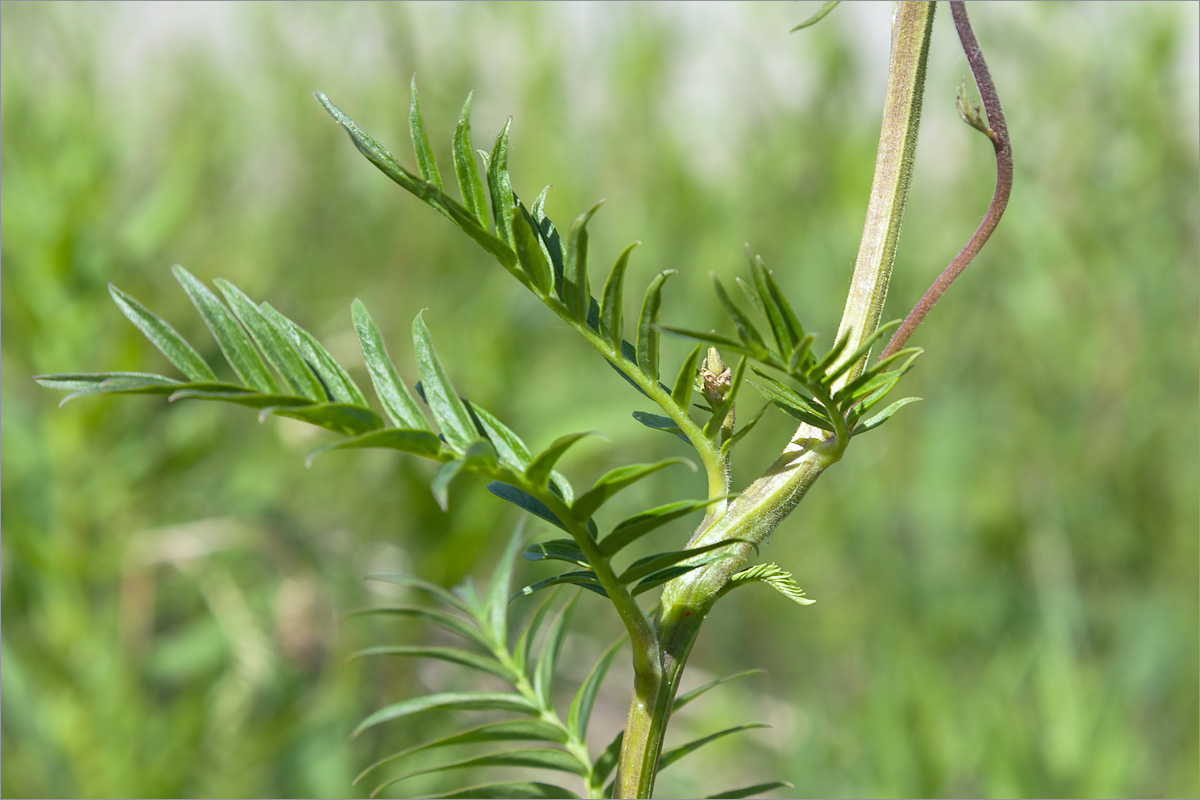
x: 1004, y: 176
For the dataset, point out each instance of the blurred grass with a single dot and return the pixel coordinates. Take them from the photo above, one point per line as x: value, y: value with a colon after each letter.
x: 1006, y: 573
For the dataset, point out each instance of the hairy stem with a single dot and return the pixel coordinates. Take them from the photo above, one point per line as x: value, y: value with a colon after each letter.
x: 687, y: 600
x: 911, y: 27
x: 997, y: 131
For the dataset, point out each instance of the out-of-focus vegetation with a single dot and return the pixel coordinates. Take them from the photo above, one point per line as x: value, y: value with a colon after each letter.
x: 1006, y: 574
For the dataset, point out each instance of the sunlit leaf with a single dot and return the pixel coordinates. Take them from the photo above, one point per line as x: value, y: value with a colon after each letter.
x: 449, y: 701
x: 505, y: 730
x: 339, y: 417
x: 611, y: 299
x: 426, y: 164
x: 539, y: 471
x: 584, y: 578
x: 238, y: 349
x: 398, y: 403
x: 280, y: 353
x: 453, y: 623
x: 336, y: 380
x: 526, y: 501
x: 505, y: 791
x: 616, y: 480
x: 576, y: 293
x: 671, y: 755
x: 650, y: 564
x: 637, y: 526
x: 747, y: 791
x: 556, y: 550
x: 499, y: 587
x: 449, y: 411
x: 685, y: 381
x: 499, y: 185
x: 774, y: 576
x: 647, y: 334
x: 442, y: 480
x: 543, y: 673
x: 469, y: 183
x: 585, y: 698
x: 418, y: 443
x: 687, y: 697
x: 660, y: 423
x: 530, y: 252
x: 882, y: 416
x: 164, y: 337
x: 451, y: 655
x: 529, y: 757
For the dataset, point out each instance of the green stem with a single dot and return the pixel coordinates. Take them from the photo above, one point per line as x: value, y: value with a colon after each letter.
x: 687, y: 600
x: 911, y: 27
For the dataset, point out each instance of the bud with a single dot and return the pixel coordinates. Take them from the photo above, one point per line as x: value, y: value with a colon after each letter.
x: 714, y: 378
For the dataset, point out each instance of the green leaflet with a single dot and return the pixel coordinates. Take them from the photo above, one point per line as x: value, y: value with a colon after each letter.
x: 442, y: 480
x: 784, y: 326
x: 81, y: 384
x: 340, y: 417
x: 500, y: 187
x: 506, y: 730
x: 585, y: 579
x: 585, y: 698
x: 526, y: 501
x: 469, y: 183
x: 557, y: 550
x: 749, y: 335
x: 386, y: 163
x: 542, y: 466
x: 647, y: 334
x: 532, y: 757
x: 746, y: 791
x: 813, y: 20
x: 576, y: 293
x: 531, y: 253
x: 543, y: 673
x: 164, y: 337
x: 687, y: 697
x: 238, y: 396
x: 426, y: 163
x: 674, y: 754
x: 439, y: 593
x: 656, y: 579
x: 512, y: 451
x: 511, y: 789
x: 446, y: 621
x: 685, y: 381
x: 280, y: 353
x: 616, y: 480
x: 882, y: 416
x: 741, y: 432
x: 630, y: 530
x: 449, y: 701
x: 238, y: 350
x: 710, y: 338
x: 498, y: 589
x: 794, y: 403
x: 418, y: 443
x: 452, y: 655
x: 656, y: 563
x: 449, y: 411
x: 774, y: 576
x: 335, y: 379
x: 660, y: 423
x: 610, y: 300
x: 523, y: 649
x: 398, y: 403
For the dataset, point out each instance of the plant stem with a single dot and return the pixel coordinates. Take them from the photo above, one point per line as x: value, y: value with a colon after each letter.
x: 687, y: 600
x: 911, y: 27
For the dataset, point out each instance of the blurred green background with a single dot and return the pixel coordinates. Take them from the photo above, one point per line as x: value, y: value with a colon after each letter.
x: 1006, y: 574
